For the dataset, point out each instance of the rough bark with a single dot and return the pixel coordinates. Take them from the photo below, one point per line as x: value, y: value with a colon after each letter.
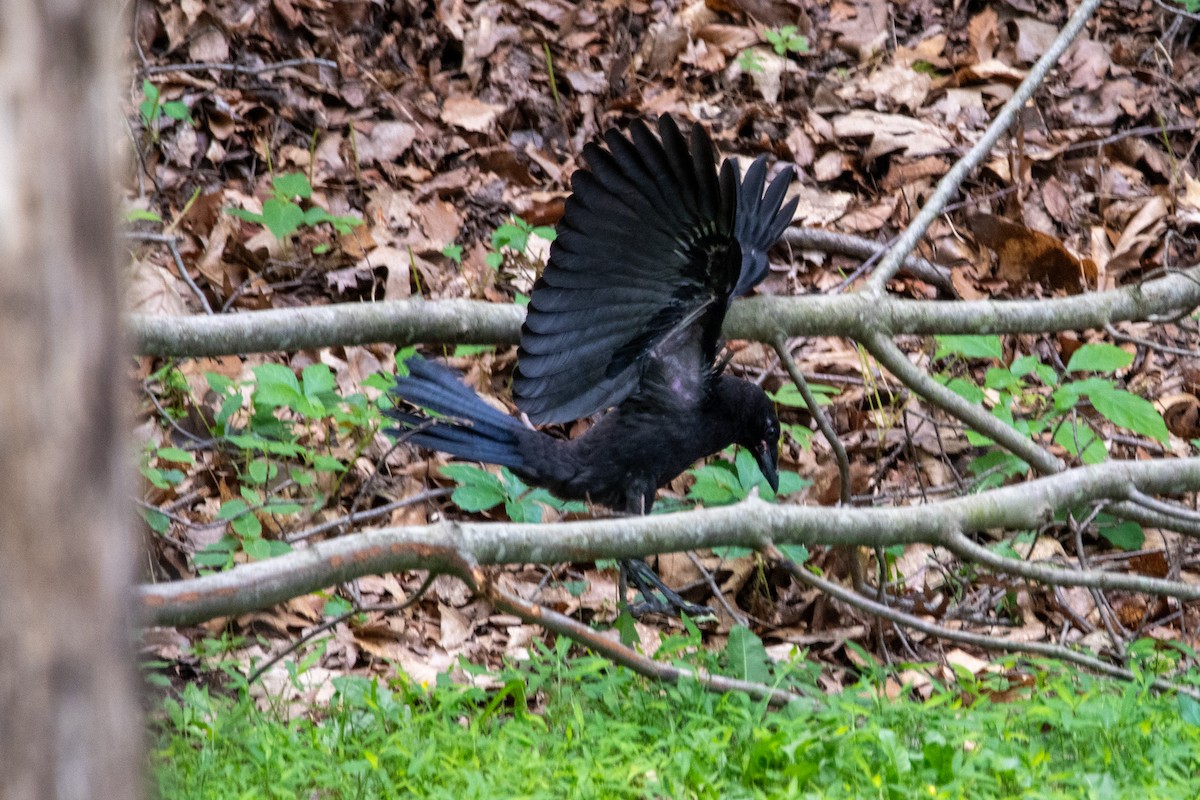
x: 69, y: 723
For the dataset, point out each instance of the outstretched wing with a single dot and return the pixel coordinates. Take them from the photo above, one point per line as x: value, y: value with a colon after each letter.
x: 650, y: 250
x: 644, y: 249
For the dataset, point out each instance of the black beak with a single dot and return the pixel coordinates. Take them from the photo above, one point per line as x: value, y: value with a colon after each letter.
x: 767, y: 457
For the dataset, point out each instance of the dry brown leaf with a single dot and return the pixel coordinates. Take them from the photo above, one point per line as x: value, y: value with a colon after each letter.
x: 470, y: 113
x: 889, y: 133
x: 860, y: 26
x: 1031, y: 256
x: 818, y: 207
x: 387, y: 141
x: 152, y: 289
x: 1144, y: 230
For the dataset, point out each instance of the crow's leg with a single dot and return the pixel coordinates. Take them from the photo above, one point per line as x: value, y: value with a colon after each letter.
x: 647, y: 582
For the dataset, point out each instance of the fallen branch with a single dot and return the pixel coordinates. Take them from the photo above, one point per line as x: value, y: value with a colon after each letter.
x: 752, y: 523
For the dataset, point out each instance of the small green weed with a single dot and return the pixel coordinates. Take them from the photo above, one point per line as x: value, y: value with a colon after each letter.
x: 722, y: 482
x: 282, y: 430
x: 153, y: 109
x: 283, y: 215
x: 510, y: 245
x: 1031, y: 397
x: 786, y: 40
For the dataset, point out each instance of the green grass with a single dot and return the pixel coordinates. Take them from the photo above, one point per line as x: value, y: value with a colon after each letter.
x: 600, y: 731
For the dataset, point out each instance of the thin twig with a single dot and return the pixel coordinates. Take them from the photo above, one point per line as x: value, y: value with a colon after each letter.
x: 240, y: 69
x: 172, y: 244
x: 819, y: 416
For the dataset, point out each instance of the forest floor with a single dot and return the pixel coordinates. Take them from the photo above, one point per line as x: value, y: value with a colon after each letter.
x: 451, y: 129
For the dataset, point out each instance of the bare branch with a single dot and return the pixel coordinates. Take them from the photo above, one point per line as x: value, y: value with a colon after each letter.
x: 752, y: 523
x: 761, y: 319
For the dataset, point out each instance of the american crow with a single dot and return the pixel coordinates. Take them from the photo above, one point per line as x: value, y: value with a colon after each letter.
x: 651, y: 248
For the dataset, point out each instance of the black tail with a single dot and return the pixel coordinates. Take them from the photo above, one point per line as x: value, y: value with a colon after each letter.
x: 465, y: 427
x: 761, y: 220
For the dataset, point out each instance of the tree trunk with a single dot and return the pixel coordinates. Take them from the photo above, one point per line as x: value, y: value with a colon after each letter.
x: 69, y: 724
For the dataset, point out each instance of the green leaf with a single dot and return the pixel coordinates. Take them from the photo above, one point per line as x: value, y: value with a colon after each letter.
x: 156, y: 520
x: 1124, y: 535
x: 318, y: 382
x: 141, y: 215
x: 966, y: 390
x: 1099, y: 358
x: 247, y: 526
x: 797, y: 553
x: 257, y: 549
x: 1080, y: 440
x: 177, y: 110
x: 282, y: 217
x: 1189, y: 709
x: 789, y: 395
x: 218, y: 555
x: 746, y: 655
x: 463, y: 350
x: 323, y: 463
x: 972, y: 346
x: 336, y: 607
x: 454, y: 253
x: 478, y: 490
x: 1000, y: 378
x: 218, y: 383
x: 276, y: 386
x: 176, y: 455
x: 232, y: 508
x: 258, y: 471
x: 1131, y: 412
x: 626, y: 629
x: 521, y: 510
x: 245, y: 214
x: 291, y: 184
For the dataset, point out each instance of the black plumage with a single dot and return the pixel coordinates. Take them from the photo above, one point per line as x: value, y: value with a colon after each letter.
x: 652, y: 247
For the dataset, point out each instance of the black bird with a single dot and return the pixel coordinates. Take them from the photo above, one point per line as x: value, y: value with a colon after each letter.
x: 651, y: 248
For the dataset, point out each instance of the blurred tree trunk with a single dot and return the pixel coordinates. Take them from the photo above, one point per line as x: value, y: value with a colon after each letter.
x: 69, y: 723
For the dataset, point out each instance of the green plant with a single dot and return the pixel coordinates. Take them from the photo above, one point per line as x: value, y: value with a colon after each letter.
x: 510, y: 242
x: 557, y: 725
x: 282, y: 215
x: 152, y: 109
x: 788, y: 395
x: 786, y: 40
x: 748, y: 61
x: 282, y: 430
x: 1032, y: 398
x: 479, y: 490
x: 722, y: 482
